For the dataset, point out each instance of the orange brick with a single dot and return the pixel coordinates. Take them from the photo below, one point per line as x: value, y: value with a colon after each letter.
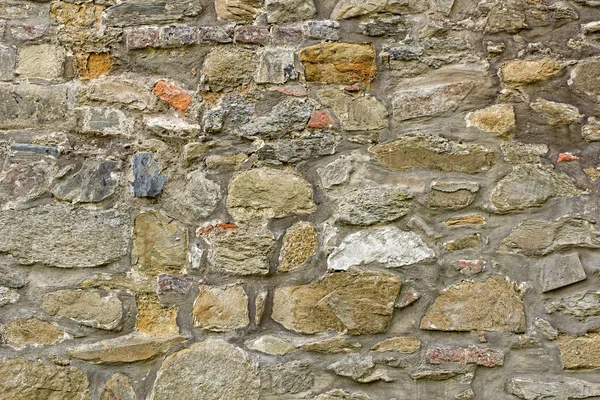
x: 176, y: 97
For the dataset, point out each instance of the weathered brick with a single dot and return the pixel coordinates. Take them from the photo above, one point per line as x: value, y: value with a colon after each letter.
x: 142, y: 37
x: 251, y: 34
x: 176, y: 97
x: 466, y: 355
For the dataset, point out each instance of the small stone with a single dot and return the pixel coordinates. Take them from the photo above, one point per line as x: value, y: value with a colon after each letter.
x: 237, y: 10
x: 470, y: 267
x: 260, y: 305
x: 466, y: 242
x: 359, y: 368
x: 530, y: 185
x: 346, y: 9
x: 172, y: 126
x: 212, y: 369
x: 552, y: 387
x: 153, y: 319
x: 23, y: 379
x: 565, y: 157
x: 412, y: 152
x: 159, y: 244
x: 95, y: 181
x: 557, y: 113
x: 583, y: 77
x: 230, y: 67
x: 523, y: 72
x: 291, y: 377
x: 251, y: 34
x: 31, y: 331
x: 299, y: 244
x: 370, y: 203
x: 272, y: 345
x: 173, y: 95
x: 300, y: 146
x: 387, y: 245
x: 266, y: 193
x: 338, y: 62
x: 355, y: 113
x: 357, y: 302
x: 467, y: 394
x: 125, y: 349
x: 287, y: 116
x: 118, y: 388
x: 150, y: 12
x: 8, y: 296
x: 579, y: 352
x: 592, y: 173
x: 399, y: 344
x: 88, y: 307
x: 131, y: 281
x: 320, y: 119
x: 452, y: 195
x: 538, y: 237
x: 174, y: 284
x: 546, y: 328
x: 337, y: 172
x: 429, y: 101
x: 336, y: 344
x: 225, y: 163
x: 561, y: 270
x: 94, y: 65
x: 581, y: 306
x: 8, y: 60
x: 322, y: 30
x: 471, y: 219
x: 466, y: 355
x: 63, y: 237
x: 148, y: 181
x: 492, y: 305
x: 43, y: 61
x: 221, y: 308
x: 240, y: 251
x: 281, y: 11
x: 407, y: 297
x: 385, y: 25
x: 275, y: 65
x: 498, y: 118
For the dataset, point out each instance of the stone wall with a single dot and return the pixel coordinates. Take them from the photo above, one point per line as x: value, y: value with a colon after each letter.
x: 288, y: 199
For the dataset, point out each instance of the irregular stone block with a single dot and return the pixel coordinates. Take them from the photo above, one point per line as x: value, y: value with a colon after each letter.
x: 275, y: 65
x: 159, y: 244
x: 240, y: 251
x: 466, y: 242
x: 466, y: 355
x: 557, y: 113
x: 31, y: 331
x: 44, y: 61
x: 322, y: 30
x: 297, y: 147
x: 230, y: 67
x: 22, y: 379
x: 88, y: 307
x: 118, y: 388
x: 358, y: 302
x: 237, y: 10
x: 523, y: 72
x: 125, y: 349
x: 385, y: 26
x: 471, y: 219
x: 153, y: 318
x: 499, y: 118
x: 281, y: 11
x: 339, y: 62
x: 581, y: 306
x: 63, y: 237
x: 579, y: 352
x: 429, y: 101
x: 104, y: 121
x: 560, y: 270
x: 221, y: 308
x: 452, y: 195
x: 389, y: 246
x: 346, y: 9
x: 284, y: 118
x: 117, y: 90
x: 172, y: 127
x: 399, y: 344
x: 210, y: 369
x: 523, y: 153
x: 537, y: 237
x: 148, y: 181
x: 370, y: 203
x: 35, y: 106
x: 95, y: 181
x: 336, y: 344
x: 492, y: 305
x: 413, y: 152
x: 560, y: 388
x: 337, y: 172
x: 291, y: 377
x: 583, y: 76
x: 269, y: 344
x: 251, y: 34
x: 266, y: 193
x: 77, y: 15
x: 355, y: 113
x: 359, y: 368
x: 148, y: 12
x: 299, y: 244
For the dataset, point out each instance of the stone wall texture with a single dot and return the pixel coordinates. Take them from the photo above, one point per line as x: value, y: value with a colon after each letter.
x: 299, y: 199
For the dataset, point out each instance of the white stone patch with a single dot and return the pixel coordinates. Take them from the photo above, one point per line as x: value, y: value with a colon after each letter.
x: 388, y: 245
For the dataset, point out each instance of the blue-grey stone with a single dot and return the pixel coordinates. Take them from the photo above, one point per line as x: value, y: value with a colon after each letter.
x: 147, y: 179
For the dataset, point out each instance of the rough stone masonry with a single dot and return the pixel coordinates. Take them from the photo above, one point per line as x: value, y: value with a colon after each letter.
x: 299, y: 199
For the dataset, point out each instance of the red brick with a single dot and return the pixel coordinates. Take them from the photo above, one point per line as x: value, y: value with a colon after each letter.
x: 176, y: 97
x: 466, y: 355
x: 320, y: 119
x: 562, y: 157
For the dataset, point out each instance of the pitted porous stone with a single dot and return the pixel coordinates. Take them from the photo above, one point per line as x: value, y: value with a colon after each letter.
x: 63, y: 237
x: 31, y: 380
x: 221, y: 308
x: 388, y: 246
x: 212, y: 369
x: 357, y: 302
x: 299, y: 244
x: 492, y: 305
x: 579, y: 352
x: 88, y: 307
x: 229, y: 68
x: 555, y: 388
x: 414, y: 152
x: 537, y: 237
x: 266, y: 193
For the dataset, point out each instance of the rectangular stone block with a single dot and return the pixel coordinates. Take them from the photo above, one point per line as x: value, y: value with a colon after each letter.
x: 136, y: 12
x: 8, y: 58
x: 559, y: 270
